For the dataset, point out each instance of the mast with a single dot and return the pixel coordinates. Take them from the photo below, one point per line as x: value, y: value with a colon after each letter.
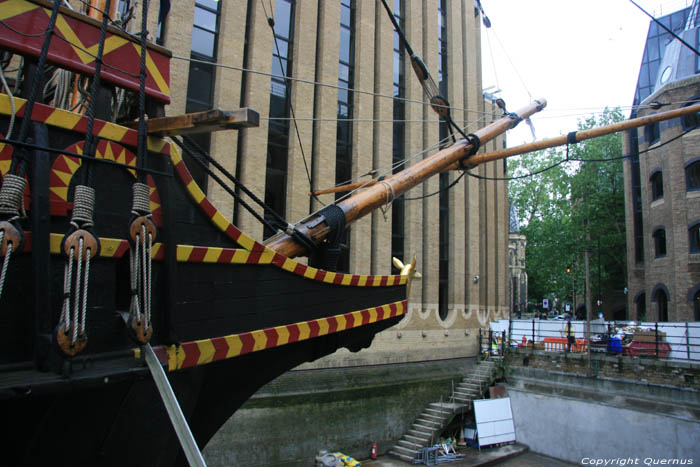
x: 299, y: 239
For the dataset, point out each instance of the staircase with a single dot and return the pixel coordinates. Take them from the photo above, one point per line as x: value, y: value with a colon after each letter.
x: 437, y: 415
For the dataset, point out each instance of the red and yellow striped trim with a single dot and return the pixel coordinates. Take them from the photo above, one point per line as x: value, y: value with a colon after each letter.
x: 198, y: 254
x: 205, y: 351
x: 255, y: 252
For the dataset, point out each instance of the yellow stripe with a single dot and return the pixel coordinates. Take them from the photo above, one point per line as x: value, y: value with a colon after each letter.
x: 372, y: 315
x: 346, y: 279
x: 59, y: 117
x: 282, y: 335
x: 114, y: 133
x: 234, y: 346
x: 184, y: 252
x: 342, y: 322
x: 260, y: 340
x: 206, y: 351
x: 330, y: 277
x: 322, y: 326
x: 362, y: 281
x: 155, y: 73
x: 109, y: 246
x: 240, y: 256
x: 266, y: 257
x: 13, y: 8
x: 212, y: 255
x: 246, y: 242
x: 172, y: 357
x: 289, y: 265
x: 220, y: 221
x: 304, y: 330
x: 310, y: 272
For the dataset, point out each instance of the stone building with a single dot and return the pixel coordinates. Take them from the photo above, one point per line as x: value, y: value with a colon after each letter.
x: 516, y: 263
x: 662, y: 180
x: 358, y: 108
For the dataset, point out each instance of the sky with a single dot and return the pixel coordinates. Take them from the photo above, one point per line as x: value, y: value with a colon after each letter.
x: 580, y: 55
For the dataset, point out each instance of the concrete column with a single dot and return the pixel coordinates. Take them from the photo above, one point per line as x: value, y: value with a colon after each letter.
x: 413, y: 244
x: 362, y: 131
x: 256, y: 94
x: 326, y: 102
x: 383, y: 133
x: 227, y: 96
x: 431, y: 206
x: 302, y: 98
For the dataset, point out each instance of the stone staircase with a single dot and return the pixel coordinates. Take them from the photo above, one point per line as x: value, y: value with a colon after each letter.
x: 437, y: 415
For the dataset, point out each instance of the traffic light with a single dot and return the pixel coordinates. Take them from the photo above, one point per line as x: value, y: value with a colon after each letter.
x: 568, y: 269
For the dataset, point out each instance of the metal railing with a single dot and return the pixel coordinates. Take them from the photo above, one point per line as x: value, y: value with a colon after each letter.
x: 659, y: 340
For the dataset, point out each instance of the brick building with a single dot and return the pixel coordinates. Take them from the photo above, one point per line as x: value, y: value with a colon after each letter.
x: 662, y: 180
x: 358, y: 108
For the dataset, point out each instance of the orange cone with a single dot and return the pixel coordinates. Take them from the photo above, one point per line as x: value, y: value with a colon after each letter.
x: 373, y: 455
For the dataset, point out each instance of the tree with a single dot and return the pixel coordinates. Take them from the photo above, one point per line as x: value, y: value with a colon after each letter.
x: 565, y: 203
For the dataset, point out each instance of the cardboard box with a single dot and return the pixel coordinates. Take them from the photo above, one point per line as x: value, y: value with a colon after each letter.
x: 649, y: 336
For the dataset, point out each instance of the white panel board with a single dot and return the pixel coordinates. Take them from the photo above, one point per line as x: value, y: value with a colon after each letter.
x: 494, y: 421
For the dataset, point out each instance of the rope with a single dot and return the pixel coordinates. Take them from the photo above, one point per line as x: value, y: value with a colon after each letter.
x: 67, y: 281
x: 141, y: 204
x: 83, y: 206
x: 12, y: 103
x: 76, y: 308
x: 5, y: 262
x: 85, y: 292
x: 12, y: 196
x: 142, y: 148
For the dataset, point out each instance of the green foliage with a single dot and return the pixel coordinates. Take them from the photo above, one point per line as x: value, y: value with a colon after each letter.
x: 569, y: 207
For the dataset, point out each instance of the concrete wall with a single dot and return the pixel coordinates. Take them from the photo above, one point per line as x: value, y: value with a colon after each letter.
x: 339, y: 409
x: 572, y: 430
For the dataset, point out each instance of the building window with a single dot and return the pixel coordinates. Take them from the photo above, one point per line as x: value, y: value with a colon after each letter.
x: 657, y: 185
x: 200, y: 84
x: 692, y: 175
x: 398, y: 208
x: 652, y: 133
x: 694, y: 237
x: 696, y: 305
x: 343, y: 149
x: 659, y: 242
x: 691, y: 121
x: 661, y: 300
x: 278, y: 130
x: 444, y: 219
x: 641, y: 304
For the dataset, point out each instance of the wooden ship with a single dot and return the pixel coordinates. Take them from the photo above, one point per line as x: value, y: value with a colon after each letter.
x: 136, y: 318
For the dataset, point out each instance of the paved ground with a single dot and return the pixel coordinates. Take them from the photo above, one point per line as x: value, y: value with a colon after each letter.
x: 512, y: 455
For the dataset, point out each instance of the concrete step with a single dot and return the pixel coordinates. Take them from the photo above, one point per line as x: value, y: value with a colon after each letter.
x: 437, y: 413
x: 426, y: 422
x: 421, y: 440
x: 405, y: 451
x: 431, y: 416
x: 419, y: 430
x: 418, y: 434
x: 409, y: 445
x: 463, y: 395
x: 403, y: 457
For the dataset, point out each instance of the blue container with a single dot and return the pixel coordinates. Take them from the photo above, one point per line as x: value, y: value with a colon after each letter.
x: 615, y: 345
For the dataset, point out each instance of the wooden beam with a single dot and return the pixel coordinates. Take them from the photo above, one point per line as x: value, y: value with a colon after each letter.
x: 201, y: 122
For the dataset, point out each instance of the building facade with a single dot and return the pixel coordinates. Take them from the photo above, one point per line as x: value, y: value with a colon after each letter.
x: 662, y: 180
x: 351, y: 105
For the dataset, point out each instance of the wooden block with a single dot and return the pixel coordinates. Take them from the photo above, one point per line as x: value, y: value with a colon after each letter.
x: 201, y: 122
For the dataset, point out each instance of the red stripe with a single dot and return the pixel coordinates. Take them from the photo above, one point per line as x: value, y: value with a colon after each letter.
x: 248, y: 342
x: 355, y: 279
x: 207, y: 207
x: 332, y: 324
x: 365, y: 317
x: 350, y: 319
x: 394, y: 310
x: 161, y: 353
x: 293, y: 332
x: 221, y: 347
x: 42, y: 113
x: 97, y: 126
x: 233, y: 232
x: 300, y: 269
x: 380, y: 313
x: 320, y: 275
x: 313, y: 328
x: 124, y: 247
x: 272, y: 337
x: 254, y: 257
x: 226, y: 255
x: 278, y: 260
x: 338, y: 278
x: 192, y: 354
x: 384, y: 281
x: 184, y: 174
x: 197, y: 254
x: 258, y: 247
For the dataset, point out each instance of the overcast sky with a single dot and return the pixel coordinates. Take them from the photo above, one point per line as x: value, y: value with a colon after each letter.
x: 580, y: 55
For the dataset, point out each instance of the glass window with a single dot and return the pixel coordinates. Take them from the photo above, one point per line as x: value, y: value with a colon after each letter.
x: 205, y: 19
x: 213, y: 4
x: 641, y: 307
x: 651, y: 133
x: 692, y: 175
x: 659, y: 242
x: 694, y: 237
x: 662, y: 304
x: 657, y: 185
x: 203, y: 42
x: 283, y: 16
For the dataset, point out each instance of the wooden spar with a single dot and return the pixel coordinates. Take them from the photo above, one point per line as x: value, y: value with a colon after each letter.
x: 369, y: 199
x: 577, y: 136
x: 346, y: 187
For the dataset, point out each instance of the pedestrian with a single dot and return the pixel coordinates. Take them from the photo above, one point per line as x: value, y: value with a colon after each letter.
x: 569, y: 332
